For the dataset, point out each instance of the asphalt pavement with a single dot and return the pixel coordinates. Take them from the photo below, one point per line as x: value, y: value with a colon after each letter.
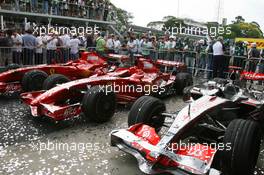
x: 78, y: 146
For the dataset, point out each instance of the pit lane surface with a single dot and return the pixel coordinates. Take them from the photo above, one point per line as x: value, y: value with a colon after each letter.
x: 23, y: 140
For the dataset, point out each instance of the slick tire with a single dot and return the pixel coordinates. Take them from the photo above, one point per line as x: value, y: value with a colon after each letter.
x: 99, y: 105
x: 182, y: 80
x: 244, y: 137
x: 54, y: 80
x: 147, y: 110
x: 33, y: 80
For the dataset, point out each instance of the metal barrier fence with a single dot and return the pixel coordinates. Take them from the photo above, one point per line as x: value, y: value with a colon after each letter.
x: 35, y: 56
x: 197, y: 63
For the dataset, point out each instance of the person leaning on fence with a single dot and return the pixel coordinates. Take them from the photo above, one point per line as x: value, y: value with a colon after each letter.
x: 218, y: 58
x: 253, y: 53
x: 52, y: 42
x: 161, y: 48
x: 17, y: 47
x: 170, y: 46
x: 146, y: 46
x: 65, y: 44
x: 154, y: 46
x: 124, y: 48
x: 29, y: 44
x: 101, y: 44
x: 132, y: 48
x: 238, y: 54
x: 117, y: 45
x: 39, y: 49
x: 110, y: 43
x: 90, y: 44
x: 74, y: 45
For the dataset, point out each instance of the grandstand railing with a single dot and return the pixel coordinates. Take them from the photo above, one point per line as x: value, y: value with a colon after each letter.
x: 73, y: 10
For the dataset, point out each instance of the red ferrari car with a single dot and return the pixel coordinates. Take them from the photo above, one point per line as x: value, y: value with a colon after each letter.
x: 29, y: 79
x: 97, y: 96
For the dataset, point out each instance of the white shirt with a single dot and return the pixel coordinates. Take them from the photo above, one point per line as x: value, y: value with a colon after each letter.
x: 39, y: 43
x: 17, y: 39
x: 117, y: 44
x: 170, y: 44
x: 74, y: 44
x: 52, y: 45
x: 110, y: 43
x: 65, y: 39
x: 140, y: 45
x: 218, y: 48
x: 132, y: 45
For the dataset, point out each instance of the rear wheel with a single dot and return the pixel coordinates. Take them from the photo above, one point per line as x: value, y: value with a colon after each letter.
x: 54, y: 80
x: 33, y: 80
x: 182, y: 80
x: 147, y: 110
x: 98, y: 104
x: 244, y: 139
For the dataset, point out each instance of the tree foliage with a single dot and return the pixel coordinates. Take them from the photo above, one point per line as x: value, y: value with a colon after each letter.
x: 123, y: 18
x: 241, y: 28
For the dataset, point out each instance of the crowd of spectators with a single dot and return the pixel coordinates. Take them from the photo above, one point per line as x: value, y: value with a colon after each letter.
x: 29, y: 48
x: 201, y: 53
x: 216, y: 54
x: 92, y: 9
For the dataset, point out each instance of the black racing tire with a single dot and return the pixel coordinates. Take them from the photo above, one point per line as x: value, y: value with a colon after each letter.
x: 182, y: 80
x: 99, y: 105
x: 147, y: 110
x: 54, y: 80
x: 12, y: 67
x: 244, y: 137
x: 33, y: 80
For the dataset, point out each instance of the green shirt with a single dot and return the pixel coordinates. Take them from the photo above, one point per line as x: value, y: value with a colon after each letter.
x: 162, y: 47
x: 100, y: 44
x: 145, y: 49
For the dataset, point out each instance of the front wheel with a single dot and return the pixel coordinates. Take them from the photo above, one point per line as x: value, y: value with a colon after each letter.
x: 147, y: 110
x: 182, y: 80
x: 99, y: 104
x: 54, y: 80
x: 243, y: 139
